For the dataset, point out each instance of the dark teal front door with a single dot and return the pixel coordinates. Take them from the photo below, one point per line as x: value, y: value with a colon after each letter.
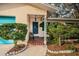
x: 35, y: 27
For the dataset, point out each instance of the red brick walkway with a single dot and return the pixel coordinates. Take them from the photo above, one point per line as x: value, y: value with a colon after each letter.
x: 36, y: 41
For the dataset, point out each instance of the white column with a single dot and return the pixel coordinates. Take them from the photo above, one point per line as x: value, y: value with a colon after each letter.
x: 26, y: 38
x: 45, y: 39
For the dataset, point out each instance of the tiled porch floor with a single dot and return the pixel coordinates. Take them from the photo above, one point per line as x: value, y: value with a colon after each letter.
x: 36, y: 41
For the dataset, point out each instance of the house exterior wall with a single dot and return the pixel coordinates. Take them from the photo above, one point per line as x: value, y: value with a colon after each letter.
x: 21, y: 13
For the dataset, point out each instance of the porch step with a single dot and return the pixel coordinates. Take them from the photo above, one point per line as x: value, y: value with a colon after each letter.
x: 35, y: 43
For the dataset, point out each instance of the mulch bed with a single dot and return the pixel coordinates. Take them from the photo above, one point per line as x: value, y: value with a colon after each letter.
x: 56, y: 47
x: 63, y: 47
x: 15, y: 50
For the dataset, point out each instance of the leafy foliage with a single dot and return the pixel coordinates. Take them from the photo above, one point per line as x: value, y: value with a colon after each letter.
x: 70, y: 47
x: 13, y: 31
x: 57, y: 30
x: 72, y: 31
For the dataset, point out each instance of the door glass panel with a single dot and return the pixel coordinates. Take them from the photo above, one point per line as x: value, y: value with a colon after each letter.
x: 35, y: 27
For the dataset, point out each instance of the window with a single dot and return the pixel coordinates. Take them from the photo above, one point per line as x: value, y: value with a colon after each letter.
x: 7, y: 19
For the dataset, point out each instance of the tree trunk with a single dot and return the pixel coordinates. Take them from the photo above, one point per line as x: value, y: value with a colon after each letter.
x: 59, y: 41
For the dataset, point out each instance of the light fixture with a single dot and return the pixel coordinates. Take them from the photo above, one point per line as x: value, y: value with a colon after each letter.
x: 35, y: 18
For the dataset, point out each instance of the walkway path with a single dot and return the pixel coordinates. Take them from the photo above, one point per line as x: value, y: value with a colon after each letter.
x: 5, y: 48
x: 37, y: 50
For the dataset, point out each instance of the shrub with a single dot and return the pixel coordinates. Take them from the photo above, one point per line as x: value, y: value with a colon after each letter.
x: 57, y: 30
x: 70, y: 47
x: 13, y: 31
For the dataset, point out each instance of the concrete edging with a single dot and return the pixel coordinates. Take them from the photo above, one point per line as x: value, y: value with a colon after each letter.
x: 61, y: 51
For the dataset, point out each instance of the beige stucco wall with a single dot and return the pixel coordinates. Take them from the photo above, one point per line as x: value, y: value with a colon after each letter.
x: 22, y: 12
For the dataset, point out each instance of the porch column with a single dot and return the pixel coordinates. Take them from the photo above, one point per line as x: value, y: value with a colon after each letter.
x: 45, y: 39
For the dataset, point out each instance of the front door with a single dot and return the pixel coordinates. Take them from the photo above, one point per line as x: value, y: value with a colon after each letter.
x: 35, y: 27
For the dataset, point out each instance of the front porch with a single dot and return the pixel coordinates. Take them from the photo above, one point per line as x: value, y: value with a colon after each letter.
x: 37, y: 29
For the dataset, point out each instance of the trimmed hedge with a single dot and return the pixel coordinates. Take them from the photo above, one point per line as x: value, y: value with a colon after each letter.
x: 13, y: 31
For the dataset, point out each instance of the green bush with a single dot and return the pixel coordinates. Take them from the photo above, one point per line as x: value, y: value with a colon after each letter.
x: 57, y: 30
x: 70, y: 47
x: 13, y: 31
